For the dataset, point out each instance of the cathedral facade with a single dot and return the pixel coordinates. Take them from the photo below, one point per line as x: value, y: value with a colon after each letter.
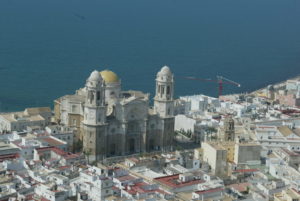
x: 111, y: 122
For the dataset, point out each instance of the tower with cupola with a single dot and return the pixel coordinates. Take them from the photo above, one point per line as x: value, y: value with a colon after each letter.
x: 164, y: 105
x: 94, y: 118
x: 163, y: 100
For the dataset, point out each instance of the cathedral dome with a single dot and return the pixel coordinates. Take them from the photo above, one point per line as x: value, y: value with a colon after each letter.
x: 109, y: 76
x: 165, y: 71
x: 95, y: 76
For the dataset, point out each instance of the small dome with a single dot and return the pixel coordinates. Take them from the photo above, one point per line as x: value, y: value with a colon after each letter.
x: 165, y: 71
x: 95, y: 76
x: 109, y: 76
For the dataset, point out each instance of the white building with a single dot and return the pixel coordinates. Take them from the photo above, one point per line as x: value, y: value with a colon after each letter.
x: 8, y: 148
x: 247, y: 152
x: 277, y: 136
x: 50, y: 192
x: 19, y: 121
x: 199, y: 103
x: 63, y: 133
x: 94, y: 183
x: 216, y: 156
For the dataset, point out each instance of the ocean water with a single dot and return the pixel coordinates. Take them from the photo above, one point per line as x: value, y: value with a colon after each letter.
x: 49, y: 47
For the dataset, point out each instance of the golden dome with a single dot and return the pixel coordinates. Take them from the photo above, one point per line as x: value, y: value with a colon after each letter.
x: 109, y: 76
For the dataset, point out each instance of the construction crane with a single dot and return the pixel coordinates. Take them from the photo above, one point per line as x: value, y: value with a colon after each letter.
x: 220, y: 80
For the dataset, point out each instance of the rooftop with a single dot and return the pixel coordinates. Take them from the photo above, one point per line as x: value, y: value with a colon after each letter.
x: 51, y: 141
x: 174, y: 182
x: 209, y: 191
x: 285, y: 131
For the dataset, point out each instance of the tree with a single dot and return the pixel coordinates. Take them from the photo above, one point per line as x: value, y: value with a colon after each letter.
x: 77, y: 147
x: 87, y: 153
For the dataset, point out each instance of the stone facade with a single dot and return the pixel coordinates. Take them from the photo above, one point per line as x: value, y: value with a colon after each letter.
x: 229, y: 130
x: 114, y: 122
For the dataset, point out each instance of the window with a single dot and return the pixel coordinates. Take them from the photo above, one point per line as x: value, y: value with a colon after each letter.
x: 168, y: 90
x: 152, y: 126
x: 74, y: 109
x: 98, y: 95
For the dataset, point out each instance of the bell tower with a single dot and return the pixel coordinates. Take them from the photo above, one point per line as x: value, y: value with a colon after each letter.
x: 164, y: 107
x: 94, y: 119
x: 229, y: 131
x: 163, y: 100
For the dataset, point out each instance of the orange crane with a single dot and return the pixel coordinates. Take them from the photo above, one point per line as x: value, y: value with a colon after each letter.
x: 220, y: 80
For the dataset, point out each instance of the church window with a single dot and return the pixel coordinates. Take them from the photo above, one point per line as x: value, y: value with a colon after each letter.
x: 169, y: 111
x: 113, y: 149
x: 168, y: 90
x: 162, y: 89
x: 91, y: 96
x: 98, y: 95
x: 152, y: 126
x: 74, y: 109
x: 158, y: 88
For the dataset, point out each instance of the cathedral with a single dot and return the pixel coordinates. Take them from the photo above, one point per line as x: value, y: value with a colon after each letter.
x: 111, y: 122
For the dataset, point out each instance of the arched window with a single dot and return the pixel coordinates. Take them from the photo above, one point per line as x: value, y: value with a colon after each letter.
x: 168, y: 90
x: 151, y: 144
x: 113, y: 149
x: 98, y: 95
x: 131, y: 145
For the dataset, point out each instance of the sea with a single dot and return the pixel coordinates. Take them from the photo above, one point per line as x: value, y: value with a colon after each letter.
x: 48, y: 48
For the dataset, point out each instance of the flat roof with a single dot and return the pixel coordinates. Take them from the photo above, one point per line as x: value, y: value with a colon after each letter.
x: 174, y: 182
x: 52, y: 141
x: 209, y: 191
